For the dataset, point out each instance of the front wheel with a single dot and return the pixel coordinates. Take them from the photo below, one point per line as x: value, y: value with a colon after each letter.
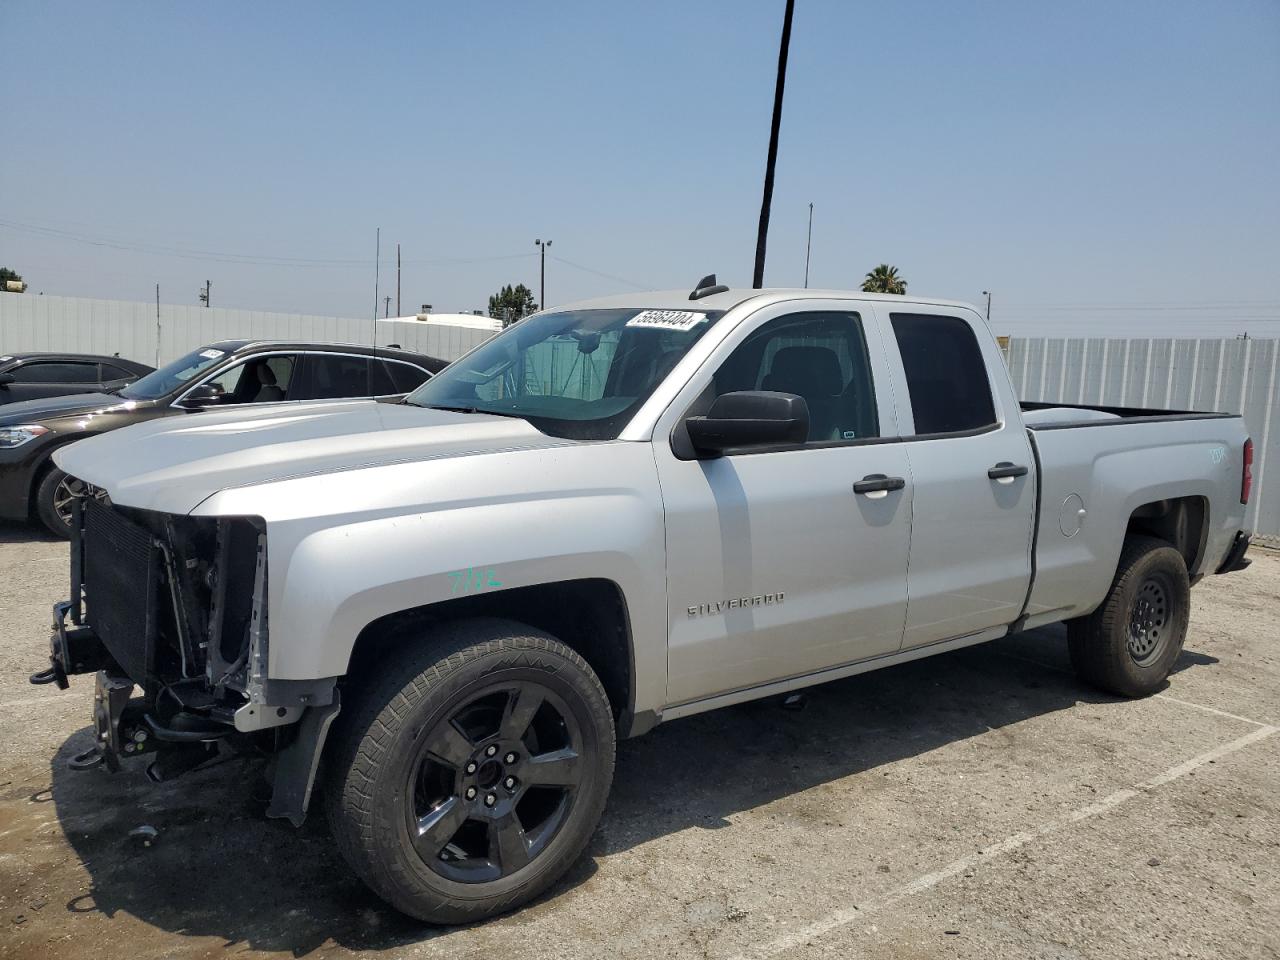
x: 1128, y: 646
x: 470, y: 777
x: 56, y: 494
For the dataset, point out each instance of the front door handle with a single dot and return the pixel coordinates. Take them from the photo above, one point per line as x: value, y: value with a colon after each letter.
x: 1005, y: 472
x: 876, y: 485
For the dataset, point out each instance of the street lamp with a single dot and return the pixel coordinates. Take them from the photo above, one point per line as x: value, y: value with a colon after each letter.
x: 542, y: 282
x: 987, y: 294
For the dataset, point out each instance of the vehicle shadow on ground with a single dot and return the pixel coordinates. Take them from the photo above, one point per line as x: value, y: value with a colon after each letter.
x: 220, y: 869
x: 15, y: 531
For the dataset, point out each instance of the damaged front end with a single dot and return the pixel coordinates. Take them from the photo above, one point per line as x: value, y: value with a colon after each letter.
x: 177, y: 606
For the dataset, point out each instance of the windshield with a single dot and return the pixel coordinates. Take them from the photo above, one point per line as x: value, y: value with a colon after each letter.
x: 173, y: 375
x: 580, y: 374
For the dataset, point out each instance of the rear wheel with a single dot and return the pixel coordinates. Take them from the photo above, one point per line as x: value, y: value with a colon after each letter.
x: 472, y: 776
x: 1128, y: 646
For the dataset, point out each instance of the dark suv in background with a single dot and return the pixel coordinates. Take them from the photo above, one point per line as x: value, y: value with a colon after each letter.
x: 34, y: 376
x: 219, y: 375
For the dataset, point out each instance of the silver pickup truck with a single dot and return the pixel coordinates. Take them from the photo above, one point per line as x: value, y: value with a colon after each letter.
x: 444, y: 611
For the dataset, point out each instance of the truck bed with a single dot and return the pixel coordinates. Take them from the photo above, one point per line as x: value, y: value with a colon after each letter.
x: 1161, y: 458
x: 1078, y: 415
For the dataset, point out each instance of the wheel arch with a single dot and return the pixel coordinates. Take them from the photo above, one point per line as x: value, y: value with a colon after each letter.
x: 1181, y: 521
x: 588, y: 615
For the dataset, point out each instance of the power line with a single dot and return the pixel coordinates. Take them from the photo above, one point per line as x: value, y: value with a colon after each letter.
x: 600, y: 273
x: 158, y: 249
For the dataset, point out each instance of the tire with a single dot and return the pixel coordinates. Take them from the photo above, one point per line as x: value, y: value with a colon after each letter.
x: 50, y: 494
x: 1128, y: 646
x: 448, y: 716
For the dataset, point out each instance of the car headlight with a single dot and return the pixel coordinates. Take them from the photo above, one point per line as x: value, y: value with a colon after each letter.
x: 11, y: 437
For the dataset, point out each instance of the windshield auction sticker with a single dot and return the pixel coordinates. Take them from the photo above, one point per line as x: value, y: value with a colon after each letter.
x: 667, y: 319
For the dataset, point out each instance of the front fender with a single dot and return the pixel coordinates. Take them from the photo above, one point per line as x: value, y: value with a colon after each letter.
x: 427, y: 533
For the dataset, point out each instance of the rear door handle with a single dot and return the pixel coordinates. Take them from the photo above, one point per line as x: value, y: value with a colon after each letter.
x: 876, y: 485
x: 1005, y: 472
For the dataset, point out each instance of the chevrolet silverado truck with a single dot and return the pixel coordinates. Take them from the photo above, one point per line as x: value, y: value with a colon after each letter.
x: 440, y: 614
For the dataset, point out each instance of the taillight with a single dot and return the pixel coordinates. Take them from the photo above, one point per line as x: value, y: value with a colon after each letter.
x: 1246, y: 476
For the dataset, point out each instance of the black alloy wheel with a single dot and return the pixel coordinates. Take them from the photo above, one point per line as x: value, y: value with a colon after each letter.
x: 468, y: 768
x: 494, y: 783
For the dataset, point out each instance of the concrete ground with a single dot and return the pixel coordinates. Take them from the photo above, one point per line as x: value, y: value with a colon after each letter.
x: 981, y: 804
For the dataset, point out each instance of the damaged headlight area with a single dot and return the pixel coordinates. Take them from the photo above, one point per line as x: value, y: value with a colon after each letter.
x: 171, y: 613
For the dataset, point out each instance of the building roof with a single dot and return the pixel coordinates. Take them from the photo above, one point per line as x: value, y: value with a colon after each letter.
x: 469, y: 320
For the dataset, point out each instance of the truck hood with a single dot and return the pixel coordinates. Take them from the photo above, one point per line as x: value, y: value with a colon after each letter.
x: 174, y: 464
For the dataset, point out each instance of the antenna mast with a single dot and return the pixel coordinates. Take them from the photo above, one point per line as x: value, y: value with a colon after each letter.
x: 377, y: 272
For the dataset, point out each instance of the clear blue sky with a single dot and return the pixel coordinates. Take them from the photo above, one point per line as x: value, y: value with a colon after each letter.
x: 1057, y: 154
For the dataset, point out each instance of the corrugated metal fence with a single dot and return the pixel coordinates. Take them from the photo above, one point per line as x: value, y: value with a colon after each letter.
x: 133, y: 330
x: 1233, y: 376
x: 1237, y: 376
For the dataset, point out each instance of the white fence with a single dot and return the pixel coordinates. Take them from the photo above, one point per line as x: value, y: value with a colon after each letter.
x: 1236, y: 376
x: 1232, y: 376
x: 133, y: 330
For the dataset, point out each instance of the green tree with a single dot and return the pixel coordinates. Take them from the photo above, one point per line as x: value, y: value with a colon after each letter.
x: 884, y: 279
x: 512, y: 303
x: 7, y: 274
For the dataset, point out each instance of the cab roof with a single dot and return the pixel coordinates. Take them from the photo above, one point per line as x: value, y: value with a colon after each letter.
x: 679, y: 299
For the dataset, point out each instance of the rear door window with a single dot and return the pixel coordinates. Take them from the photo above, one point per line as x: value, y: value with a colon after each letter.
x: 946, y: 375
x: 334, y: 376
x: 55, y: 371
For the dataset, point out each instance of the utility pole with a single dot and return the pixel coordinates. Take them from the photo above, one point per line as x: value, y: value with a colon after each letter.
x: 386, y: 312
x: 808, y: 245
x: 398, y: 313
x: 987, y: 294
x: 157, y: 324
x: 762, y: 236
x: 542, y: 284
x: 204, y: 295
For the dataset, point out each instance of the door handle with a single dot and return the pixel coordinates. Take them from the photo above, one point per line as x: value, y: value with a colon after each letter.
x: 1005, y: 472
x: 876, y: 485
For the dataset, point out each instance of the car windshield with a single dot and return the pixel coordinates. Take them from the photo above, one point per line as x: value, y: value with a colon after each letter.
x: 580, y: 374
x: 173, y: 375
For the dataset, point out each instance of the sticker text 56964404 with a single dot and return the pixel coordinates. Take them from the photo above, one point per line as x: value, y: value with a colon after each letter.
x: 667, y: 319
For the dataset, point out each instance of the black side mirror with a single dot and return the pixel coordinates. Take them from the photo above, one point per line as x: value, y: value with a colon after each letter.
x: 6, y: 379
x: 205, y: 395
x: 749, y: 418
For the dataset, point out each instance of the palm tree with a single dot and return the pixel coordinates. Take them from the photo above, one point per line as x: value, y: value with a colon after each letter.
x: 884, y: 279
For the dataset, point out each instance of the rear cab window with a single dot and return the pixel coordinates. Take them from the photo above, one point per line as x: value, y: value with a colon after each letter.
x: 946, y: 374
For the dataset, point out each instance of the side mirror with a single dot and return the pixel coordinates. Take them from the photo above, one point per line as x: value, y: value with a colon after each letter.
x: 6, y: 379
x: 749, y: 418
x: 205, y: 395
